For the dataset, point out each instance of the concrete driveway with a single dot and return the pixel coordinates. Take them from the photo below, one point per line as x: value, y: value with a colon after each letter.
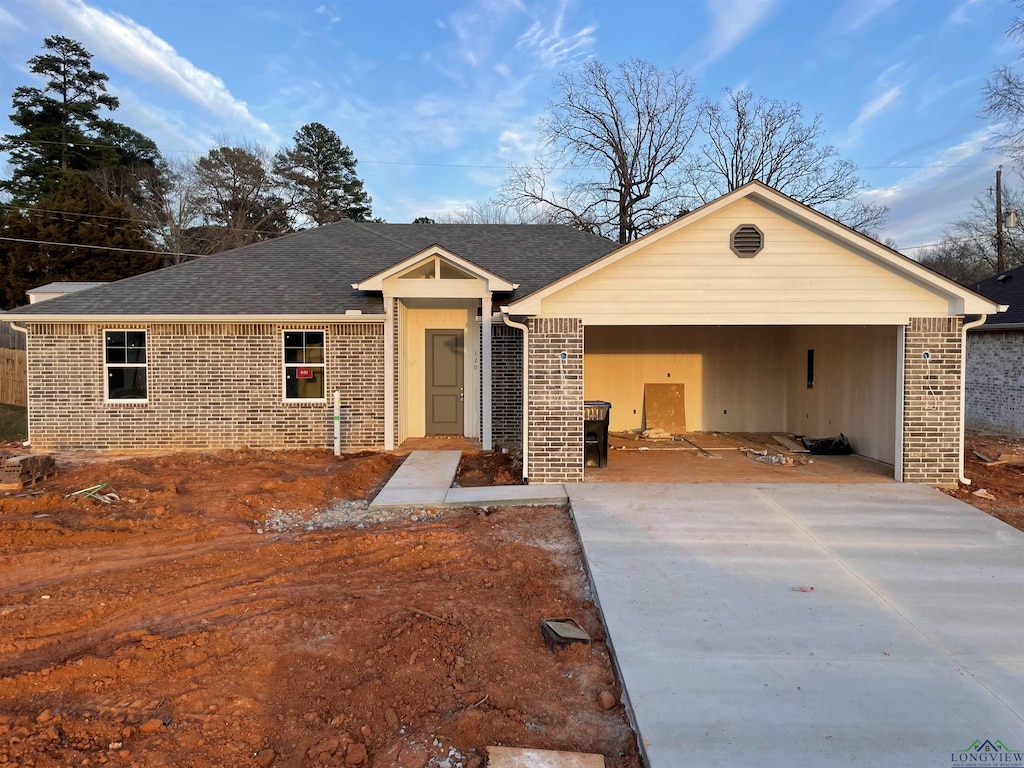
x: 908, y: 651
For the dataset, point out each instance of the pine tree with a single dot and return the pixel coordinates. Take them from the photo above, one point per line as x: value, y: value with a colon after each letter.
x: 319, y: 177
x: 87, y: 217
x: 56, y: 121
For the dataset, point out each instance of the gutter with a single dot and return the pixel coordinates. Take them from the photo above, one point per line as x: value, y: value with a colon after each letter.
x: 52, y: 318
x: 526, y: 396
x: 963, y: 389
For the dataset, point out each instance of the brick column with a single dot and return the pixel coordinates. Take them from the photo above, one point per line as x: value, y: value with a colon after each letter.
x: 556, y: 400
x: 931, y: 401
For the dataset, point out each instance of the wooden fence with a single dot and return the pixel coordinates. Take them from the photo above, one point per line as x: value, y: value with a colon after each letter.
x: 13, y: 381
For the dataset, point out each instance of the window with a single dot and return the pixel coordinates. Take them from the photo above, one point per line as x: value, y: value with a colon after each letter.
x: 125, y: 365
x: 303, y: 365
x: 810, y: 369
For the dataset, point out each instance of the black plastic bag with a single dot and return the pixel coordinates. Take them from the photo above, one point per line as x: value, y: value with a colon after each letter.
x: 828, y: 446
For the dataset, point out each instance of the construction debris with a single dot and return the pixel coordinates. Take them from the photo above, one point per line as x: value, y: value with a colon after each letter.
x: 514, y: 757
x: 559, y: 633
x: 93, y: 492
x: 657, y: 433
x: 776, y: 458
x: 22, y: 471
x: 790, y: 445
x: 983, y: 493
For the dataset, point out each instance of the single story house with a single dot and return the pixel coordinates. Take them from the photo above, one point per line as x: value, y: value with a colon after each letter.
x: 773, y: 316
x: 995, y: 360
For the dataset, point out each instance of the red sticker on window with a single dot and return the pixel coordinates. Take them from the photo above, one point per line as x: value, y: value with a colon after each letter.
x: 303, y: 373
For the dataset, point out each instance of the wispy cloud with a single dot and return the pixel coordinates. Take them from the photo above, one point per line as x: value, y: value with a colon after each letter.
x: 870, y: 111
x: 858, y: 13
x: 937, y: 165
x: 960, y: 15
x: 552, y: 44
x: 731, y: 22
x: 8, y: 22
x: 330, y: 12
x: 137, y: 50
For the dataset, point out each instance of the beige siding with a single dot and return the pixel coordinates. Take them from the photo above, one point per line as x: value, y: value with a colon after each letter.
x: 800, y: 277
x: 411, y: 364
x: 854, y: 386
x: 731, y: 376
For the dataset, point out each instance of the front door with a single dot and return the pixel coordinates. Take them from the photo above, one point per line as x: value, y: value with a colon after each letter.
x: 444, y: 395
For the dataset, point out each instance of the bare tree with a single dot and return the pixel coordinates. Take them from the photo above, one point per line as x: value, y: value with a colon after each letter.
x: 967, y: 251
x: 756, y: 139
x: 494, y: 212
x: 1003, y: 96
x: 239, y: 197
x: 181, y: 213
x: 613, y: 142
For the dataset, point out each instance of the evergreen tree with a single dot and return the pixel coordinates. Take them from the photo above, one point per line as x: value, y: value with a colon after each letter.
x: 318, y: 175
x: 57, y: 121
x: 87, y: 217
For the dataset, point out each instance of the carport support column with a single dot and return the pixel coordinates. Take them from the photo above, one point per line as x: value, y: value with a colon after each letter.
x: 555, y: 391
x: 931, y: 401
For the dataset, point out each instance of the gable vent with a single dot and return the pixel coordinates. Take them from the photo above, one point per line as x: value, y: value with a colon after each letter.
x: 746, y: 241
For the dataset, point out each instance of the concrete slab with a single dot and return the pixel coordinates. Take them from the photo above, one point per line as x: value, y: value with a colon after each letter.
x: 495, y: 495
x: 423, y: 478
x: 907, y: 649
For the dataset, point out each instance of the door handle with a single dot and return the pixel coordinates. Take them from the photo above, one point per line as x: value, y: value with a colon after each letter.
x: 462, y: 394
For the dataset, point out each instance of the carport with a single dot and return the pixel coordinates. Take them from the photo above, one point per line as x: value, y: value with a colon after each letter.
x: 803, y: 380
x: 770, y: 317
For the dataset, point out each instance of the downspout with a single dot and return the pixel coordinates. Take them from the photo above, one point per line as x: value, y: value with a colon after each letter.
x: 19, y: 329
x: 963, y: 390
x: 526, y: 381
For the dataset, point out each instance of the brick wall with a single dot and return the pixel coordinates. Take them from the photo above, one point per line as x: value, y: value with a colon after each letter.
x: 931, y: 401
x: 209, y: 386
x: 556, y: 400
x: 507, y: 387
x: 995, y: 382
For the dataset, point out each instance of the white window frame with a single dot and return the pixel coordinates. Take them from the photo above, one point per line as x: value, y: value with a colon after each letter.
x: 107, y: 366
x: 286, y: 365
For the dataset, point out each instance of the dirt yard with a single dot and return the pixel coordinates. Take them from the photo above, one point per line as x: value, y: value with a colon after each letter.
x: 1003, y: 481
x: 230, y: 610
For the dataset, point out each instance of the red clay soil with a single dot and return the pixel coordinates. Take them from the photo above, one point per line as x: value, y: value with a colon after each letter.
x: 1004, y: 481
x: 477, y: 468
x: 164, y: 629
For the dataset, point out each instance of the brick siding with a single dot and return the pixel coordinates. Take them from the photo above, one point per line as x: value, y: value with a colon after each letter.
x: 931, y: 401
x: 995, y: 382
x: 556, y: 400
x: 507, y: 387
x: 209, y: 386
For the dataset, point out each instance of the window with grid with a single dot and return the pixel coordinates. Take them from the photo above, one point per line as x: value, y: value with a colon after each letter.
x: 304, y: 365
x: 125, y: 365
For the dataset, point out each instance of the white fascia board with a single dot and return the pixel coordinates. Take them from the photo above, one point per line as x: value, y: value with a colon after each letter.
x: 376, y: 282
x: 41, y: 318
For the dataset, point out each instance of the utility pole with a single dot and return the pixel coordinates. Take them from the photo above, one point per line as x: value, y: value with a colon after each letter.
x: 1000, y: 257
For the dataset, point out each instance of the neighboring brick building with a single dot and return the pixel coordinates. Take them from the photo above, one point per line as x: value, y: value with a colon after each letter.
x: 995, y: 360
x: 767, y: 315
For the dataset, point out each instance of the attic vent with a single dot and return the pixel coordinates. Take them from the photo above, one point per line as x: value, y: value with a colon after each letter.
x: 746, y: 241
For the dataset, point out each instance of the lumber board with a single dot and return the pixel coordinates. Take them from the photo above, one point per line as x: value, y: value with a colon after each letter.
x: 664, y: 407
x: 790, y: 445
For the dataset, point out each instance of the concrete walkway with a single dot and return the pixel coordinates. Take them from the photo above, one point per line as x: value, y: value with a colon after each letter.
x: 425, y: 479
x: 909, y: 648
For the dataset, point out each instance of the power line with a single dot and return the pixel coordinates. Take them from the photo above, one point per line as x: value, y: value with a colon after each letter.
x: 100, y: 247
x: 470, y: 165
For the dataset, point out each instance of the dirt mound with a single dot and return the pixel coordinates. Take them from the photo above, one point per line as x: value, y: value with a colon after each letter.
x: 1003, y: 481
x: 479, y: 468
x: 169, y: 632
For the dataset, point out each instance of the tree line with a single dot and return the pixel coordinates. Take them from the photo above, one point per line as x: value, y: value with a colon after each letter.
x: 78, y: 176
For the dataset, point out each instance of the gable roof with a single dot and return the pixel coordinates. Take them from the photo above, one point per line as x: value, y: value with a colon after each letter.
x: 312, y: 272
x: 494, y: 282
x: 1007, y: 288
x: 964, y: 299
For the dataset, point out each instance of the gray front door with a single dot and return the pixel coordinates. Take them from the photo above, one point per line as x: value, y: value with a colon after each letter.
x: 444, y: 378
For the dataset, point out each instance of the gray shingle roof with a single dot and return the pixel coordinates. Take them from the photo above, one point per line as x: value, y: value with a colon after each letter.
x: 1008, y: 290
x: 312, y: 272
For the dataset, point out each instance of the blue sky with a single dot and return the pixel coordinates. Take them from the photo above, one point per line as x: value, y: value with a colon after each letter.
x: 436, y: 98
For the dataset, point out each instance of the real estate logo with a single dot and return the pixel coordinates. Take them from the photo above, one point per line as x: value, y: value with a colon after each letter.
x: 989, y: 753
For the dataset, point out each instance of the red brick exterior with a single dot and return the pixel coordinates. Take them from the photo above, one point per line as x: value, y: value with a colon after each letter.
x: 209, y: 386
x: 507, y: 387
x: 556, y: 400
x: 931, y: 401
